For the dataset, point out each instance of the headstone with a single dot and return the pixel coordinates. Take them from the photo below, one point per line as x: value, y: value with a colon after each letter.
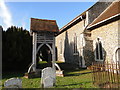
x: 48, y: 82
x: 48, y: 77
x: 13, y: 83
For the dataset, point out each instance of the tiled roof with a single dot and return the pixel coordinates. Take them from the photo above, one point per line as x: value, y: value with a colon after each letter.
x: 112, y: 10
x: 43, y: 25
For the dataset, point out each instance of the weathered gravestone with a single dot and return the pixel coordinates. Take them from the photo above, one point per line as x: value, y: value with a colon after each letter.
x: 13, y: 83
x: 48, y: 77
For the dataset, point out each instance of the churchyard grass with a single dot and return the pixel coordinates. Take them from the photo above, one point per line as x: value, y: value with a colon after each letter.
x: 73, y: 79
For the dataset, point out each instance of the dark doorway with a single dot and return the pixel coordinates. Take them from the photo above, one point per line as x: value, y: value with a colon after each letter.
x: 44, y: 57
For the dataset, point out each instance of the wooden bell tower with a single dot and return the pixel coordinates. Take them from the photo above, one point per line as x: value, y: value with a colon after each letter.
x: 43, y: 32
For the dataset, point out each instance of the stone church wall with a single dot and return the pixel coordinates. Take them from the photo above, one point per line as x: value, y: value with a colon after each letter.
x: 108, y: 35
x: 65, y: 51
x: 67, y: 40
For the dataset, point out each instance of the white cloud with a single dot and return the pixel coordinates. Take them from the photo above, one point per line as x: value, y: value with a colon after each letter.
x: 5, y: 15
x: 24, y: 24
x: 23, y: 20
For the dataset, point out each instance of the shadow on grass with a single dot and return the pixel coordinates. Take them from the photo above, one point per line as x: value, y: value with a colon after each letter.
x: 68, y: 69
x: 75, y: 74
x: 82, y: 83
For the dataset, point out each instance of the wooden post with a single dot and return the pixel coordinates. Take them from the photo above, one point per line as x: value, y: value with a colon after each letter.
x: 34, y: 51
x: 53, y: 55
x: 53, y: 58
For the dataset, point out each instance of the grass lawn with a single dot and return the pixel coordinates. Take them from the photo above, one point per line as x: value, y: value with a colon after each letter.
x: 72, y: 79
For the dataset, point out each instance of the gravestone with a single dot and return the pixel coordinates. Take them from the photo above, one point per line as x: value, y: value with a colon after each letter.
x: 13, y: 83
x: 48, y: 77
x: 48, y: 82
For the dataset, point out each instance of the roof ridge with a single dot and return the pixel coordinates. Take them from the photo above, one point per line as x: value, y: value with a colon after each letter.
x: 43, y: 19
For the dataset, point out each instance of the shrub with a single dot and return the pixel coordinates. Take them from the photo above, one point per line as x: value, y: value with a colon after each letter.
x: 16, y: 49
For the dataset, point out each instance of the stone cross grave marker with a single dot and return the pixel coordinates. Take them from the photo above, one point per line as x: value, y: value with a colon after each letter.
x: 48, y: 77
x: 13, y: 83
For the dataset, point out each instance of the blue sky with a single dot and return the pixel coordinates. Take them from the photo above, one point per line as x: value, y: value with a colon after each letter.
x: 62, y: 12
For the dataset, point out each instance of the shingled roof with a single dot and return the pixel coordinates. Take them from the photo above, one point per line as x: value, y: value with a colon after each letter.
x: 112, y: 11
x: 43, y: 25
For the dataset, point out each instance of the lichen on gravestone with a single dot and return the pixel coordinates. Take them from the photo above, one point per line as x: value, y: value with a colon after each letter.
x: 13, y: 83
x: 48, y: 77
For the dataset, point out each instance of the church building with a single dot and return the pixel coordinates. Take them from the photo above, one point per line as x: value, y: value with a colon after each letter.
x: 92, y: 36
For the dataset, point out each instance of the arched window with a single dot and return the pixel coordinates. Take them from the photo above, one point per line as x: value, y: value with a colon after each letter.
x: 117, y: 55
x: 99, y: 51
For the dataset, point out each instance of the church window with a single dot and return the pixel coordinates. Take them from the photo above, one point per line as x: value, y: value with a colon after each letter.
x: 99, y: 50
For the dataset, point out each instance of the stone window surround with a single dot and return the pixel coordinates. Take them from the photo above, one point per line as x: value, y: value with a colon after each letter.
x: 96, y: 41
x: 75, y: 45
x: 115, y: 56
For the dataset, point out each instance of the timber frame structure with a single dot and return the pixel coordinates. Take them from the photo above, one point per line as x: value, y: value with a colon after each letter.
x: 43, y: 33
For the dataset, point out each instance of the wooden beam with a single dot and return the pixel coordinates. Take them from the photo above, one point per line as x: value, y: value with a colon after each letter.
x: 34, y: 50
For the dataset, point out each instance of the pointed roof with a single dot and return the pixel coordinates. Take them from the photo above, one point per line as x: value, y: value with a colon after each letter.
x: 112, y: 11
x: 43, y: 25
